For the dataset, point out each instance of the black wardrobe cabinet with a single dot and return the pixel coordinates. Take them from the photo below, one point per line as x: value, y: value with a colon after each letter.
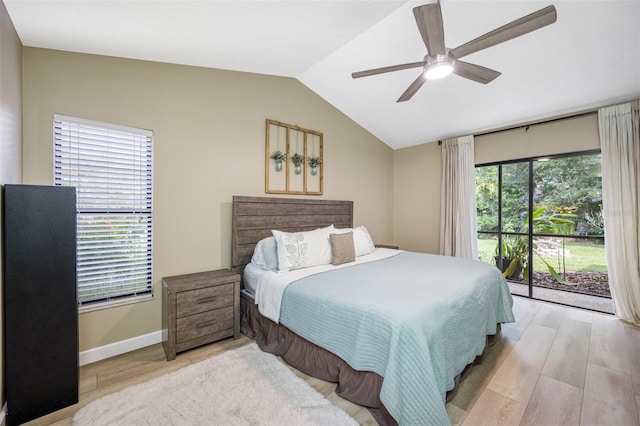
x: 40, y: 309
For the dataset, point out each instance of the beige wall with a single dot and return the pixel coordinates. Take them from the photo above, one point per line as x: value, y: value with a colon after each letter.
x: 209, y: 135
x: 416, y: 197
x: 11, y: 127
x: 10, y: 101
x: 417, y: 172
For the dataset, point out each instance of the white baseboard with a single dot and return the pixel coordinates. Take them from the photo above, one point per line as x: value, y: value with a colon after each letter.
x: 121, y: 347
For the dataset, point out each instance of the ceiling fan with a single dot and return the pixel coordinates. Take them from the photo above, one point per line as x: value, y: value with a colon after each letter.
x: 441, y: 61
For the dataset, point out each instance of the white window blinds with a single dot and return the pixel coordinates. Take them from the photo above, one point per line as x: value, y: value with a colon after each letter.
x: 111, y: 168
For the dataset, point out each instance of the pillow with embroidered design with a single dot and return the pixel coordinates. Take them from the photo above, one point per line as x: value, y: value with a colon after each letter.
x: 297, y: 250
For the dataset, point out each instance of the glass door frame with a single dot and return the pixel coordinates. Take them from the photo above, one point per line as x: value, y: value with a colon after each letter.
x: 530, y: 208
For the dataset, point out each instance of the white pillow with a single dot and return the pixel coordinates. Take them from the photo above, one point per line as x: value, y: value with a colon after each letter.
x: 298, y: 250
x: 265, y: 255
x: 362, y: 241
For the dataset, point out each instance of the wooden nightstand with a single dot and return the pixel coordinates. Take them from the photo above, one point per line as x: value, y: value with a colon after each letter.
x: 199, y: 308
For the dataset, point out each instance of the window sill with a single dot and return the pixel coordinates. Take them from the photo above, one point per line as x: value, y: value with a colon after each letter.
x: 114, y: 303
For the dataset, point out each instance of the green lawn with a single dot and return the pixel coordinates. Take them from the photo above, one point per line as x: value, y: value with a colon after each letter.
x: 581, y: 258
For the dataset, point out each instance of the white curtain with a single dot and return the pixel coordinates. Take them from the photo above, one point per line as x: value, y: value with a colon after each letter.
x: 620, y: 143
x: 458, y: 235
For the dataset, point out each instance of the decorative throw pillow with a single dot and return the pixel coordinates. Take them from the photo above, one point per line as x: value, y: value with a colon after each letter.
x: 298, y: 250
x: 362, y: 241
x: 342, y: 249
x: 265, y: 254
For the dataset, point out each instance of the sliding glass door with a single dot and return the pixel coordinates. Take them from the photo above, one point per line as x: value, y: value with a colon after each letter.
x: 540, y: 222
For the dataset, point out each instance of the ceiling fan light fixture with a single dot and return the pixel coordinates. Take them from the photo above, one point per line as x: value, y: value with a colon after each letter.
x: 437, y: 71
x: 438, y: 66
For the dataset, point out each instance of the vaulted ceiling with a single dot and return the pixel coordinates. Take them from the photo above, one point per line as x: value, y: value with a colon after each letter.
x: 589, y: 58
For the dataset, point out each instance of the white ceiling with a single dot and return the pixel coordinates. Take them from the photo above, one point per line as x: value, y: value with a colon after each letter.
x: 590, y: 57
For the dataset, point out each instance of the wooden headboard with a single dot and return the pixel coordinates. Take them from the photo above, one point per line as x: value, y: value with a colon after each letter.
x: 254, y: 218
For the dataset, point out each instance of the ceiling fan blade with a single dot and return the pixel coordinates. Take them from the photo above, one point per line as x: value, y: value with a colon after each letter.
x: 524, y: 25
x: 386, y: 69
x: 475, y: 72
x: 411, y: 90
x: 429, y: 20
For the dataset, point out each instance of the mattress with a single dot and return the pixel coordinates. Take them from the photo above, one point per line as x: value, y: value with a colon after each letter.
x: 251, y: 276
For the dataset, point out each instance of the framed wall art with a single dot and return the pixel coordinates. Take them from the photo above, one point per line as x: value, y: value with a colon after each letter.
x: 293, y: 159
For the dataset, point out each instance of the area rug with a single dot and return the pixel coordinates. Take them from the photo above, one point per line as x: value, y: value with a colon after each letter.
x: 244, y: 386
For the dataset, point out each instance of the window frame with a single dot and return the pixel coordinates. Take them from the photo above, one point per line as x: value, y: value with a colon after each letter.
x: 530, y: 234
x: 143, y: 166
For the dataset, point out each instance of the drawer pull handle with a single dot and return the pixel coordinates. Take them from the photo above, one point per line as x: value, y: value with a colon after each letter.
x: 206, y: 324
x: 206, y: 299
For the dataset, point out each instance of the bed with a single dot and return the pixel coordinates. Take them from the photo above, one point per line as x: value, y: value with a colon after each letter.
x: 396, y: 330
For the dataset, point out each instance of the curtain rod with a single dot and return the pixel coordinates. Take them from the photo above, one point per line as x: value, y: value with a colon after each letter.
x: 550, y: 120
x: 535, y: 123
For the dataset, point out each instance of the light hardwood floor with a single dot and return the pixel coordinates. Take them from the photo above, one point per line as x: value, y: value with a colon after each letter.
x: 554, y: 366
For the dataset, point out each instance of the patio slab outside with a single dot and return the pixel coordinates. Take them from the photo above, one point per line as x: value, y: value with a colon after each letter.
x: 596, y: 303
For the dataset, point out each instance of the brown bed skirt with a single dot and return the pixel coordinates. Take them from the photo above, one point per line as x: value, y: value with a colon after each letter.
x: 359, y: 387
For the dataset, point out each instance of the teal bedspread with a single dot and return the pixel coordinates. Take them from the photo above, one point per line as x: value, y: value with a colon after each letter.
x: 415, y: 319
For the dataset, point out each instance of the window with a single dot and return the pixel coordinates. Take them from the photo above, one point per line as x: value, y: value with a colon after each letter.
x: 540, y: 221
x: 111, y: 168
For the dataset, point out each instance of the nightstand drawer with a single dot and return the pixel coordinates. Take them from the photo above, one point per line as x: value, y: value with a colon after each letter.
x: 204, y: 299
x: 209, y: 322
